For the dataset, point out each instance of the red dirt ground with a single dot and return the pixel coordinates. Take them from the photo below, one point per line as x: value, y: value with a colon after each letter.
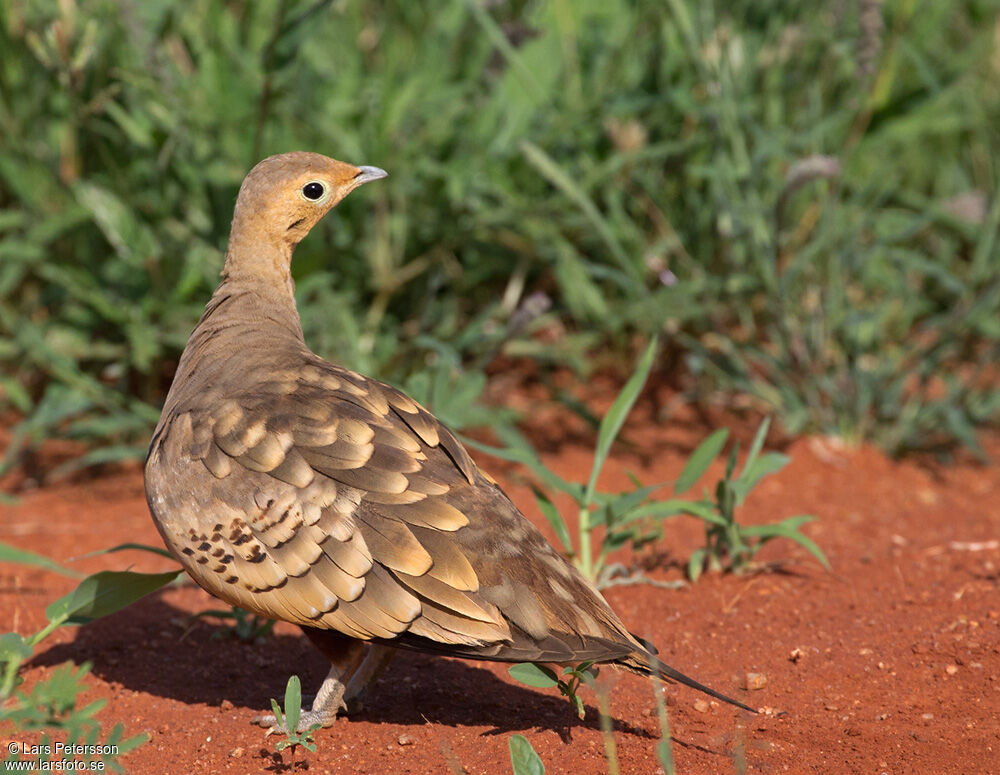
x: 888, y: 664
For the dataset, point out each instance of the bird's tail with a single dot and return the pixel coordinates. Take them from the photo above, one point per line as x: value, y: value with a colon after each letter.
x: 645, y: 663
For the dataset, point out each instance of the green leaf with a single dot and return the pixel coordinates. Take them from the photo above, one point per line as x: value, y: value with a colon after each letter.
x: 700, y: 460
x: 279, y: 717
x: 665, y: 755
x: 810, y: 546
x: 523, y: 758
x: 734, y: 453
x: 130, y: 238
x: 673, y: 507
x: 13, y: 391
x: 582, y: 295
x: 696, y: 564
x: 531, y: 674
x: 789, y: 528
x: 10, y: 553
x: 626, y: 503
x: 558, y: 177
x: 706, y: 512
x: 612, y: 422
x: 99, y: 456
x: 14, y: 647
x: 555, y: 519
x: 293, y: 704
x: 615, y: 540
x: 130, y: 546
x: 770, y: 463
x: 509, y: 52
x: 781, y: 528
x: 756, y: 446
x: 104, y: 593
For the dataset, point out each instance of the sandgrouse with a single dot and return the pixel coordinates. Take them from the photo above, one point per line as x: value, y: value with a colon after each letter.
x: 302, y: 491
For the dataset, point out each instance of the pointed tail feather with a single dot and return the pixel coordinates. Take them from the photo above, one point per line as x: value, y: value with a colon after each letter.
x: 647, y: 664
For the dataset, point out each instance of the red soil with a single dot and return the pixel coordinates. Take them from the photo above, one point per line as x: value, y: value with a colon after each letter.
x: 888, y: 664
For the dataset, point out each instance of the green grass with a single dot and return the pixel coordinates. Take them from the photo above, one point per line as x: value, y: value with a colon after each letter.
x: 53, y: 706
x: 802, y: 201
x: 606, y: 522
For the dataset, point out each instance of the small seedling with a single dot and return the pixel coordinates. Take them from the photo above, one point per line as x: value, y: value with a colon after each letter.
x: 544, y: 677
x: 728, y: 544
x: 289, y: 720
x: 51, y: 705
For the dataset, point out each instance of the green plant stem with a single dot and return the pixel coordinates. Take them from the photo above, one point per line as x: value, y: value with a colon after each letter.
x: 585, y: 559
x: 9, y: 677
x: 47, y: 630
x: 607, y: 731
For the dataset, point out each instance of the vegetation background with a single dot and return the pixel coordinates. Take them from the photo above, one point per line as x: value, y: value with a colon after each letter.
x: 802, y: 197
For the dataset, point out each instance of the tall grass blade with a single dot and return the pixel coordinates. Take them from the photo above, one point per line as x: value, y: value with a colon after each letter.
x: 612, y: 422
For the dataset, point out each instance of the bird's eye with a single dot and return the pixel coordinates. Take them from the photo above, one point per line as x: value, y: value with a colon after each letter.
x: 314, y: 191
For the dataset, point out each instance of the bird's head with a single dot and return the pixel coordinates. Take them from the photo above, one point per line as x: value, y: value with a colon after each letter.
x: 284, y: 196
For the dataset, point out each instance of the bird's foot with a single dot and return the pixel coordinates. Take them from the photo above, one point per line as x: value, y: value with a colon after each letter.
x: 309, y: 719
x: 327, y: 706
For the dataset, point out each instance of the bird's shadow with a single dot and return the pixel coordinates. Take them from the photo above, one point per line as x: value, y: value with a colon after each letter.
x: 156, y: 648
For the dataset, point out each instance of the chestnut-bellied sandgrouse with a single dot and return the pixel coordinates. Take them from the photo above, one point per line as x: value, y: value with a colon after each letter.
x: 303, y: 491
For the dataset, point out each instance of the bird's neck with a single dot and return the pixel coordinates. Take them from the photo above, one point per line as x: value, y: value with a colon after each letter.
x: 257, y: 295
x: 257, y: 260
x: 251, y: 322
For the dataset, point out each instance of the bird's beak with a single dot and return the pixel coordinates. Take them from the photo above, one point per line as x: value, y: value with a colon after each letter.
x: 367, y: 175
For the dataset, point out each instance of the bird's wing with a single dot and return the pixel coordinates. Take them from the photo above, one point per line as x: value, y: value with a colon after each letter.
x: 335, y: 501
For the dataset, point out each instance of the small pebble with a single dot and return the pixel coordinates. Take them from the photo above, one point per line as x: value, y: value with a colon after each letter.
x: 796, y: 655
x: 236, y: 753
x: 756, y: 681
x: 405, y: 740
x: 701, y: 706
x: 225, y: 705
x: 951, y: 669
x: 926, y: 716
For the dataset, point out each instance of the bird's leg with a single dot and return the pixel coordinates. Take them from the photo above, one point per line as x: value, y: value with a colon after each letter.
x: 345, y: 655
x: 375, y: 661
x: 329, y: 699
